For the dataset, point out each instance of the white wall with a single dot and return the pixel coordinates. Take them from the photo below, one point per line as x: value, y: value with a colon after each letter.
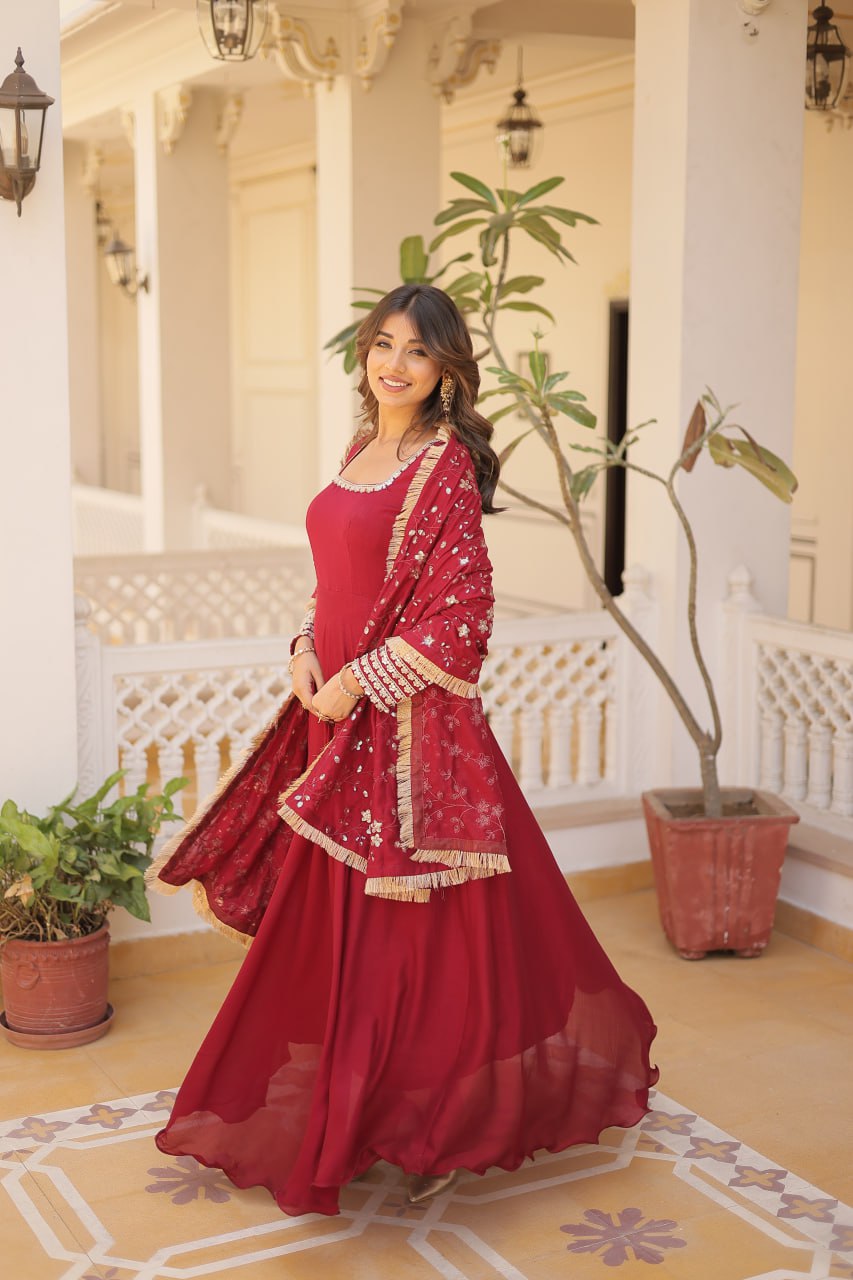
x: 587, y: 137
x: 823, y: 439
x: 84, y: 329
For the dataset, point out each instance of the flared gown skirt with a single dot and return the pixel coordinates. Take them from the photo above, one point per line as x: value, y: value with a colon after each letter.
x: 466, y: 1032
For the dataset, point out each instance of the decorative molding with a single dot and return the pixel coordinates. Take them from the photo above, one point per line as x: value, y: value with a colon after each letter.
x: 751, y: 11
x: 229, y: 119
x: 377, y: 38
x: 174, y: 106
x: 296, y: 49
x: 457, y: 56
x: 92, y: 168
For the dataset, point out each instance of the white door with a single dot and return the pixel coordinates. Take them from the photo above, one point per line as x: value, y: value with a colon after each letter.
x: 274, y: 345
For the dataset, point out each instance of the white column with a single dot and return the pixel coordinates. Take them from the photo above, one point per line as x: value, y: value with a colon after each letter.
x: 378, y: 177
x: 184, y: 351
x: 84, y: 265
x: 715, y: 247
x: 38, y: 742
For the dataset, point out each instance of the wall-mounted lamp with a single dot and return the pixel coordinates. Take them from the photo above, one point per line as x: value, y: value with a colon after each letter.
x: 519, y: 131
x: 23, y: 107
x: 121, y: 268
x: 826, y: 61
x: 232, y: 30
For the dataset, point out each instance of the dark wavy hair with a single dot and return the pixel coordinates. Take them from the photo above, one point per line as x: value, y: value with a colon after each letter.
x: 442, y: 332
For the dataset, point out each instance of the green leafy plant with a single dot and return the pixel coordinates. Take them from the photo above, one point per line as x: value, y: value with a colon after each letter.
x: 484, y: 291
x: 62, y: 874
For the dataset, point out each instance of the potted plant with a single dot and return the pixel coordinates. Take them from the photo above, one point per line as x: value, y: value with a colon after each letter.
x: 60, y: 877
x: 717, y: 854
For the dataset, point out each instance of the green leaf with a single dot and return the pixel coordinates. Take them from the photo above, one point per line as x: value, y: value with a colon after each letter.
x: 569, y: 216
x: 538, y: 365
x: 541, y: 189
x: 342, y: 338
x: 518, y: 305
x: 462, y: 257
x: 479, y: 188
x: 33, y: 841
x: 773, y: 473
x: 413, y: 260
x: 462, y: 284
x: 456, y: 229
x: 521, y: 284
x: 510, y: 449
x: 571, y: 409
x: 503, y: 411
x: 552, y: 380
x: 582, y: 482
x: 458, y: 209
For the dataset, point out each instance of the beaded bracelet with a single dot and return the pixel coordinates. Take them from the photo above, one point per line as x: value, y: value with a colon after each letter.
x: 355, y: 696
x: 298, y: 654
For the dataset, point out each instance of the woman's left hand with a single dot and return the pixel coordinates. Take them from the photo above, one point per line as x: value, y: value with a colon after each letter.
x: 329, y: 701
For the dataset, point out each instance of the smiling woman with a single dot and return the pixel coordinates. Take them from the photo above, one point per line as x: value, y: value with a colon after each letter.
x: 422, y: 987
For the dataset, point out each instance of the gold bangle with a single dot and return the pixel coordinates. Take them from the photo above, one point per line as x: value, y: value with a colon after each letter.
x: 298, y: 654
x: 355, y: 696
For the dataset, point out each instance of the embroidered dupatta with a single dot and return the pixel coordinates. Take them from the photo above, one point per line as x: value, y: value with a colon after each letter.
x: 406, y: 790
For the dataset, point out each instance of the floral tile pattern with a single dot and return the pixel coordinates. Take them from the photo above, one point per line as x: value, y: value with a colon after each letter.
x: 675, y: 1193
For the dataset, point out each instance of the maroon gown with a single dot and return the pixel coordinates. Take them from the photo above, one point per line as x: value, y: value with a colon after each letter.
x: 465, y: 1032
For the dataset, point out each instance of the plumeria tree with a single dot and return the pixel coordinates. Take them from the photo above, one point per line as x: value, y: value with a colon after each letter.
x: 482, y: 287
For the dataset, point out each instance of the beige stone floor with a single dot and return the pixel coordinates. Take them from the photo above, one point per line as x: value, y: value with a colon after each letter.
x: 761, y: 1049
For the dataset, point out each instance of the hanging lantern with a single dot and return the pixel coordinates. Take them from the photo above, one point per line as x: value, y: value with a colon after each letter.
x: 23, y: 107
x: 121, y: 267
x: 232, y: 30
x: 826, y: 62
x: 519, y: 131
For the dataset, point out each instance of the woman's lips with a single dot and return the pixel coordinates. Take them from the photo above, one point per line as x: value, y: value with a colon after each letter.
x: 390, y: 386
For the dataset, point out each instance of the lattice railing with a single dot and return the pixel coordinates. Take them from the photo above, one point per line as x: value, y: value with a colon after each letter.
x: 551, y: 687
x: 792, y: 710
x: 196, y: 595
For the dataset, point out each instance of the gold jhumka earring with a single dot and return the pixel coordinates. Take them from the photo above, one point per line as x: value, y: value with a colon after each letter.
x: 448, y: 386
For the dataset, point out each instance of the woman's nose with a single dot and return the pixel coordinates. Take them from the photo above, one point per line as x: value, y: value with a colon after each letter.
x: 396, y: 359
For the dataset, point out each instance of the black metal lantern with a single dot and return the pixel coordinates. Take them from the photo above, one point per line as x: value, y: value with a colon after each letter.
x: 519, y: 131
x: 121, y: 267
x: 826, y: 61
x: 232, y: 30
x: 23, y: 107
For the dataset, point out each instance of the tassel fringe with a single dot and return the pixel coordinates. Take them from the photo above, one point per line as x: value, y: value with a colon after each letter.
x: 429, y: 670
x: 422, y: 474
x: 487, y: 863
x: 201, y: 907
x: 348, y: 856
x: 405, y: 809
x: 170, y: 848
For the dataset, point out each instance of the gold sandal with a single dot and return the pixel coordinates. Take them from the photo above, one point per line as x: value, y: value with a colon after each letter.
x: 420, y: 1187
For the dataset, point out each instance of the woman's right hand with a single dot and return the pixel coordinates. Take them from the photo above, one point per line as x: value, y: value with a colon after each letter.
x: 307, y: 678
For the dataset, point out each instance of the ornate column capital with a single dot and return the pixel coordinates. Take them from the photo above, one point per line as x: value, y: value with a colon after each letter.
x: 228, y: 120
x: 377, y: 26
x: 300, y: 51
x: 458, y: 53
x: 91, y: 168
x: 173, y: 109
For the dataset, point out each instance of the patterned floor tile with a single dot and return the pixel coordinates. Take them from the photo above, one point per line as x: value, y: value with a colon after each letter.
x: 87, y: 1196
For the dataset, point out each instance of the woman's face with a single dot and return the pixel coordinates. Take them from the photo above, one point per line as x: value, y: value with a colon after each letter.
x: 400, y: 373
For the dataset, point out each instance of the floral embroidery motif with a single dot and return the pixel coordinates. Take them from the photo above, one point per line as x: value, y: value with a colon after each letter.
x: 374, y: 827
x: 187, y: 1180
x: 617, y: 1237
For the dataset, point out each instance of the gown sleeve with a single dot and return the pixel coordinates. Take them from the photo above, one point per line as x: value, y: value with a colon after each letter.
x: 447, y: 642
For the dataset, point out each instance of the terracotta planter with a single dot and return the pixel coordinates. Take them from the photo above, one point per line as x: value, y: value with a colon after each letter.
x: 717, y: 879
x: 56, y: 992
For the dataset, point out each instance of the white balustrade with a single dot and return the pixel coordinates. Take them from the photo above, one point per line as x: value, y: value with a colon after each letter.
x: 789, y: 705
x: 105, y: 521
x: 213, y: 528
x: 196, y: 595
x: 171, y: 708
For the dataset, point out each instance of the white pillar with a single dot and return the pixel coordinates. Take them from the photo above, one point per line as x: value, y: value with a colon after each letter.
x: 182, y: 218
x: 38, y: 742
x: 378, y: 180
x: 715, y: 247
x: 84, y: 266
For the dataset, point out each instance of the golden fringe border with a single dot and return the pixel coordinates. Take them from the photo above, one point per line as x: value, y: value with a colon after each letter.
x: 348, y: 856
x: 418, y: 888
x: 201, y: 906
x: 493, y: 863
x: 152, y: 874
x: 405, y: 808
x: 435, y: 675
x: 424, y: 470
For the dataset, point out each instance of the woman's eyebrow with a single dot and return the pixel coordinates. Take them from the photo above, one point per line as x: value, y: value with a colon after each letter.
x: 409, y: 341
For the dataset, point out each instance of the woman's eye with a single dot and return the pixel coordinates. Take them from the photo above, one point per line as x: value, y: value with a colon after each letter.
x: 417, y: 353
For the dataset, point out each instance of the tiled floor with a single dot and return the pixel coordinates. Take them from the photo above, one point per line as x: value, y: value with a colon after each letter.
x: 738, y: 1172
